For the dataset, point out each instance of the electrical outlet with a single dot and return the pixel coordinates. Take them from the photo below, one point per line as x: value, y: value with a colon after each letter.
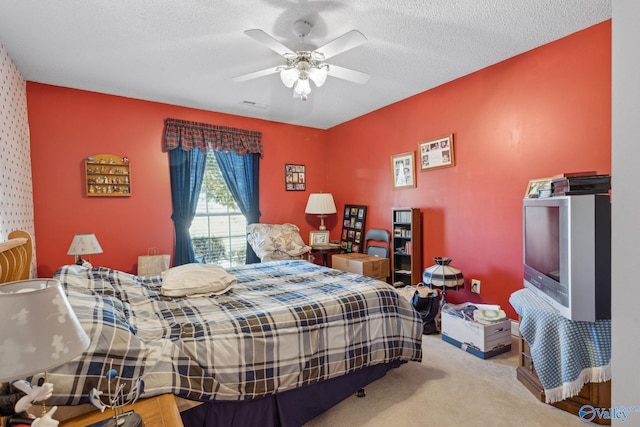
x: 475, y: 286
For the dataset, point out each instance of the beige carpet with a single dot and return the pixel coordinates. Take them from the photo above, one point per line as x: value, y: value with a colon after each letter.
x: 449, y: 388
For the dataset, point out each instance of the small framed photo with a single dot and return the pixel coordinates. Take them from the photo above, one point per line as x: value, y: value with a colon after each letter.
x: 403, y: 170
x: 436, y: 153
x: 538, y: 188
x: 318, y: 238
x: 295, y: 177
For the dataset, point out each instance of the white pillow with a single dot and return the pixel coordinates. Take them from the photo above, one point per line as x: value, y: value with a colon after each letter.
x: 196, y: 279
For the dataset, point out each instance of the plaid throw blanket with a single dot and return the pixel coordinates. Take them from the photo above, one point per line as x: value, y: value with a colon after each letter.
x: 284, y: 325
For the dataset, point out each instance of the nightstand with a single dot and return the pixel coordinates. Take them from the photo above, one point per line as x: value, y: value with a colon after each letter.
x: 155, y: 411
x: 325, y: 250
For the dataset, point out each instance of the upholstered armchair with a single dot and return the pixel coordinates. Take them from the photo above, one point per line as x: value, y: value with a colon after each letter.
x: 273, y: 242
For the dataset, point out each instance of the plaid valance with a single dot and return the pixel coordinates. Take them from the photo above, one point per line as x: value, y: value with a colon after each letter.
x: 188, y: 135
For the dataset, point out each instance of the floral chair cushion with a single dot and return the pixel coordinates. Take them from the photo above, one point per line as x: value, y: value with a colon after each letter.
x: 276, y: 241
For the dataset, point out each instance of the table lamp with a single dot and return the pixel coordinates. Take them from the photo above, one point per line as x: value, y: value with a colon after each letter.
x: 443, y: 276
x: 84, y: 244
x: 320, y: 204
x: 39, y: 329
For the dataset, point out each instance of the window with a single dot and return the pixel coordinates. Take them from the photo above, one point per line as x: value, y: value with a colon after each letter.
x: 219, y: 229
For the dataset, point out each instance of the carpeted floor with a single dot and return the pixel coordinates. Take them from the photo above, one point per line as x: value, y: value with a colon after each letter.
x: 449, y: 388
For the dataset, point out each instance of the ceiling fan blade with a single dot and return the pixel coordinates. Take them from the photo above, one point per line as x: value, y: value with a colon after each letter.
x: 353, y: 38
x: 348, y: 74
x: 270, y: 42
x: 256, y: 74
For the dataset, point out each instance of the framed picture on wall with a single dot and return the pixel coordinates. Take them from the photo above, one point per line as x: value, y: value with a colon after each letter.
x: 295, y: 177
x: 403, y: 170
x: 436, y: 153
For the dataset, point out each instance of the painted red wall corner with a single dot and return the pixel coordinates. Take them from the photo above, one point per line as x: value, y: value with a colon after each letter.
x: 538, y: 114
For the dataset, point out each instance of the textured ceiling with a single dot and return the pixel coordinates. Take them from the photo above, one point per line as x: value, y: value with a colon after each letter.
x: 187, y: 52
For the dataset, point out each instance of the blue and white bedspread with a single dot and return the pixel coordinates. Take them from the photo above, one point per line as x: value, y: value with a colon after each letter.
x: 284, y: 325
x: 566, y: 354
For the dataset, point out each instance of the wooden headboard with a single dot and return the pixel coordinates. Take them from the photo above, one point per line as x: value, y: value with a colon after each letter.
x: 15, y: 257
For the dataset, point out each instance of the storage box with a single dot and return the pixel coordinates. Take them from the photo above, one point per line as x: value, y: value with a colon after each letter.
x: 367, y: 265
x: 481, y: 340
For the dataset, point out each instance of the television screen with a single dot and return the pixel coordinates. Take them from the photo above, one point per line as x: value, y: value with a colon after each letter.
x: 542, y: 240
x: 542, y: 251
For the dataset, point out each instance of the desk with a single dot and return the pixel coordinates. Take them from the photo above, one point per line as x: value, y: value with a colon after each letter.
x: 325, y: 250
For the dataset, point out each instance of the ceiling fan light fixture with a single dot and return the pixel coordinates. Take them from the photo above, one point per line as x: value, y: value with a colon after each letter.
x: 303, y: 65
x: 289, y: 76
x: 307, y: 62
x: 302, y: 88
x: 318, y: 75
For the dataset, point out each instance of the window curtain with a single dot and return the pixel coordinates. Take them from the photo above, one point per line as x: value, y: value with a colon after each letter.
x: 240, y: 151
x: 186, y: 170
x: 241, y: 175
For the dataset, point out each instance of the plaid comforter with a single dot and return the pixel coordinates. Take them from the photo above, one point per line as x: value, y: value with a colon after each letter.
x: 284, y: 325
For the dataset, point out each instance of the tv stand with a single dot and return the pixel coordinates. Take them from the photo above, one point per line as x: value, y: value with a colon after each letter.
x: 597, y: 395
x: 558, y: 355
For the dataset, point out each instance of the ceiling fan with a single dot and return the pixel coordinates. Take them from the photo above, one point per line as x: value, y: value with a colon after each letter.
x: 307, y: 63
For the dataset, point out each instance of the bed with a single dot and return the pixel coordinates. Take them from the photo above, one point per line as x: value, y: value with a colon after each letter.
x: 289, y: 340
x: 15, y: 257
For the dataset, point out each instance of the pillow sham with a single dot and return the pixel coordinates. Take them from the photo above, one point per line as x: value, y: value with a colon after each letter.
x: 196, y: 280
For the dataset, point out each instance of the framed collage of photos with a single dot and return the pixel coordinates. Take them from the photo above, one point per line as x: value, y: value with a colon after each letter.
x: 295, y: 177
x: 403, y: 170
x: 352, y: 237
x: 436, y: 153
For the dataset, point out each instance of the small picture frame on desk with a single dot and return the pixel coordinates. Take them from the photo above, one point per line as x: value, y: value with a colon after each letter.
x: 318, y: 238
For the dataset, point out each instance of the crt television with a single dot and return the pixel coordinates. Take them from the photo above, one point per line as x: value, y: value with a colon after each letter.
x: 567, y: 254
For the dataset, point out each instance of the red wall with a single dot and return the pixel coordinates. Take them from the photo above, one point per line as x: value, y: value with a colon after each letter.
x: 533, y: 116
x: 541, y: 113
x: 69, y: 125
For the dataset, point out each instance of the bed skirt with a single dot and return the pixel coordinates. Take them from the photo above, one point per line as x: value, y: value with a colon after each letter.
x: 291, y: 408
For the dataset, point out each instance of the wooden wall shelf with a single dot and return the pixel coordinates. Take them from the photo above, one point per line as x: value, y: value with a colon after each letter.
x: 108, y: 175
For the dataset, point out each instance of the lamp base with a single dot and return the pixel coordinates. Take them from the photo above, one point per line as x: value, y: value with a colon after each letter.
x: 126, y: 419
x: 322, y: 226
